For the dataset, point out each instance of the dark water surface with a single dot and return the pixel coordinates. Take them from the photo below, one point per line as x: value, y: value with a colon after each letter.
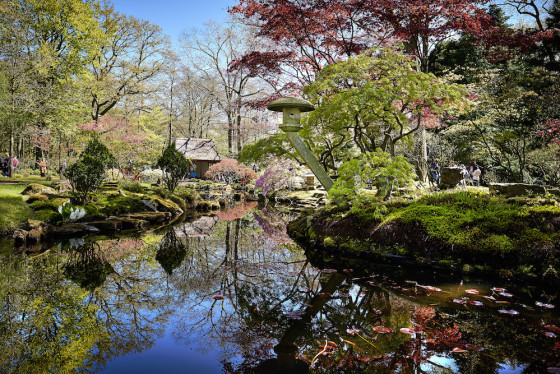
x: 231, y: 293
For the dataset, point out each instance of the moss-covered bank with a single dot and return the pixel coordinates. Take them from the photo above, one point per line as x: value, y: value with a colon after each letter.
x: 470, y: 231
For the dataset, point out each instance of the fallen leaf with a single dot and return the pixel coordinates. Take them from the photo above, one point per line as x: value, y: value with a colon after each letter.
x: 472, y: 292
x: 382, y: 329
x: 509, y: 312
x: 549, y: 334
x: 505, y: 294
x: 328, y: 271
x: 476, y: 303
x: 543, y: 305
x: 497, y: 289
x: 553, y: 328
x: 409, y: 331
x: 217, y: 297
x: 459, y: 301
x: 459, y: 350
x: 353, y: 331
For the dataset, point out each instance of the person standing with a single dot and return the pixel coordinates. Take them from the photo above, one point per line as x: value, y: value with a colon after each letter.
x: 15, y: 163
x: 476, y: 176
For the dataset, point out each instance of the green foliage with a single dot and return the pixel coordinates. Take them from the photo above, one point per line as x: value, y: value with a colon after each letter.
x: 275, y: 146
x: 376, y: 168
x: 175, y: 167
x: 132, y: 186
x: 375, y: 100
x: 88, y: 173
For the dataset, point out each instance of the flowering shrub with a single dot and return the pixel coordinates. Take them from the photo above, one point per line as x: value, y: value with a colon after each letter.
x: 151, y: 175
x: 278, y: 175
x: 231, y: 171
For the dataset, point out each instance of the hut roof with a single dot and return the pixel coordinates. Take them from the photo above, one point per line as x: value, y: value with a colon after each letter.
x: 198, y: 149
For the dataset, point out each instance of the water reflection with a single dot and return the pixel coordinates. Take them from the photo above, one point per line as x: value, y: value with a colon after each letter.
x: 235, y: 295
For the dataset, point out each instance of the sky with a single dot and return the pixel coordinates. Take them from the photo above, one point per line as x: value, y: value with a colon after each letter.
x: 174, y: 16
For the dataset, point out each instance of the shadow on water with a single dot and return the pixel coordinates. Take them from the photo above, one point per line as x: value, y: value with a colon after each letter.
x: 231, y: 293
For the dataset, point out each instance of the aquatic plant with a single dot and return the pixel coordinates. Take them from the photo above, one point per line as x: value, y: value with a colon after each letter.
x: 70, y: 213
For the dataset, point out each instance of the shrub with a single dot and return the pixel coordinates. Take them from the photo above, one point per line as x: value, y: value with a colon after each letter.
x: 175, y: 167
x: 377, y: 169
x: 87, y: 174
x: 230, y: 171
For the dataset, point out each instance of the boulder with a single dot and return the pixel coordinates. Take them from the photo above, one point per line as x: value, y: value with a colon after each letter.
x: 451, y: 176
x: 516, y: 189
x: 35, y: 188
x: 62, y: 186
x: 37, y: 197
x: 19, y: 237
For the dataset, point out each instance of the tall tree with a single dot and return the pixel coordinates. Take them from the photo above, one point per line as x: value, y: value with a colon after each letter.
x: 211, y: 52
x: 130, y: 58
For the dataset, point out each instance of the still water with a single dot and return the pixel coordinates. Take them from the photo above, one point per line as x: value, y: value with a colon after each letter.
x: 231, y: 293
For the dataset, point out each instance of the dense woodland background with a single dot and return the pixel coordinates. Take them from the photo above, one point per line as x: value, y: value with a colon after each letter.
x: 473, y: 80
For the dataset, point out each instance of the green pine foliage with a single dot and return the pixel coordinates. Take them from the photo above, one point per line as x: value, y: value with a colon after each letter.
x: 88, y: 173
x: 175, y: 167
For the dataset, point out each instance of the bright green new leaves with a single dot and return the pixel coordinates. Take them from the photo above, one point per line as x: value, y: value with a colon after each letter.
x: 372, y: 169
x: 373, y: 101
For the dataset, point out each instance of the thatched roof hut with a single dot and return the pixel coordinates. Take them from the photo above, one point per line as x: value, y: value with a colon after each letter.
x: 201, y: 152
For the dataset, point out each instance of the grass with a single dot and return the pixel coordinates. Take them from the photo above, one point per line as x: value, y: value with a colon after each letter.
x: 15, y: 211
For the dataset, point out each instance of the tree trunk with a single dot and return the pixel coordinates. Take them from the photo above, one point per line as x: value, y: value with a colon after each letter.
x: 11, y: 151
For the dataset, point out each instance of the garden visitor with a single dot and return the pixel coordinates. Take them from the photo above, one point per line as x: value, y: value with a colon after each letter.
x: 3, y: 164
x: 43, y: 167
x: 436, y: 171
x: 476, y: 176
x: 464, y: 173
x: 15, y: 163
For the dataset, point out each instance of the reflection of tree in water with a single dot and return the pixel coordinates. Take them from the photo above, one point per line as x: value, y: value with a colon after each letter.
x: 273, y: 225
x: 46, y: 323
x: 87, y: 267
x: 171, y: 252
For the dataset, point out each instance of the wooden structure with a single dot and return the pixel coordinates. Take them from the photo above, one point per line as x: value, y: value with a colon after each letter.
x: 201, y: 152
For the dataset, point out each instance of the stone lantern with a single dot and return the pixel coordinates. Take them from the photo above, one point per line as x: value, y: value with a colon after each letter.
x: 291, y: 108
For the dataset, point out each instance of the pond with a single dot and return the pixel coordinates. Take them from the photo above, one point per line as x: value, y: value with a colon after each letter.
x: 231, y: 293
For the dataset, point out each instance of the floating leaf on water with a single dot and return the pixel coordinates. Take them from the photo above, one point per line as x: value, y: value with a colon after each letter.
x: 497, y: 289
x: 552, y: 328
x: 472, y: 292
x: 372, y: 283
x: 502, y: 302
x: 459, y: 350
x: 509, y: 312
x: 543, y: 305
x: 409, y: 331
x: 459, y: 301
x: 353, y: 331
x: 217, y: 297
x: 432, y: 289
x: 549, y: 334
x: 489, y: 297
x: 324, y: 294
x: 505, y: 294
x: 476, y: 303
x: 382, y: 329
x: 348, y: 271
x: 344, y: 295
x: 328, y: 271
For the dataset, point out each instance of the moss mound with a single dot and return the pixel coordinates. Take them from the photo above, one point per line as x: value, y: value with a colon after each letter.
x: 522, y: 236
